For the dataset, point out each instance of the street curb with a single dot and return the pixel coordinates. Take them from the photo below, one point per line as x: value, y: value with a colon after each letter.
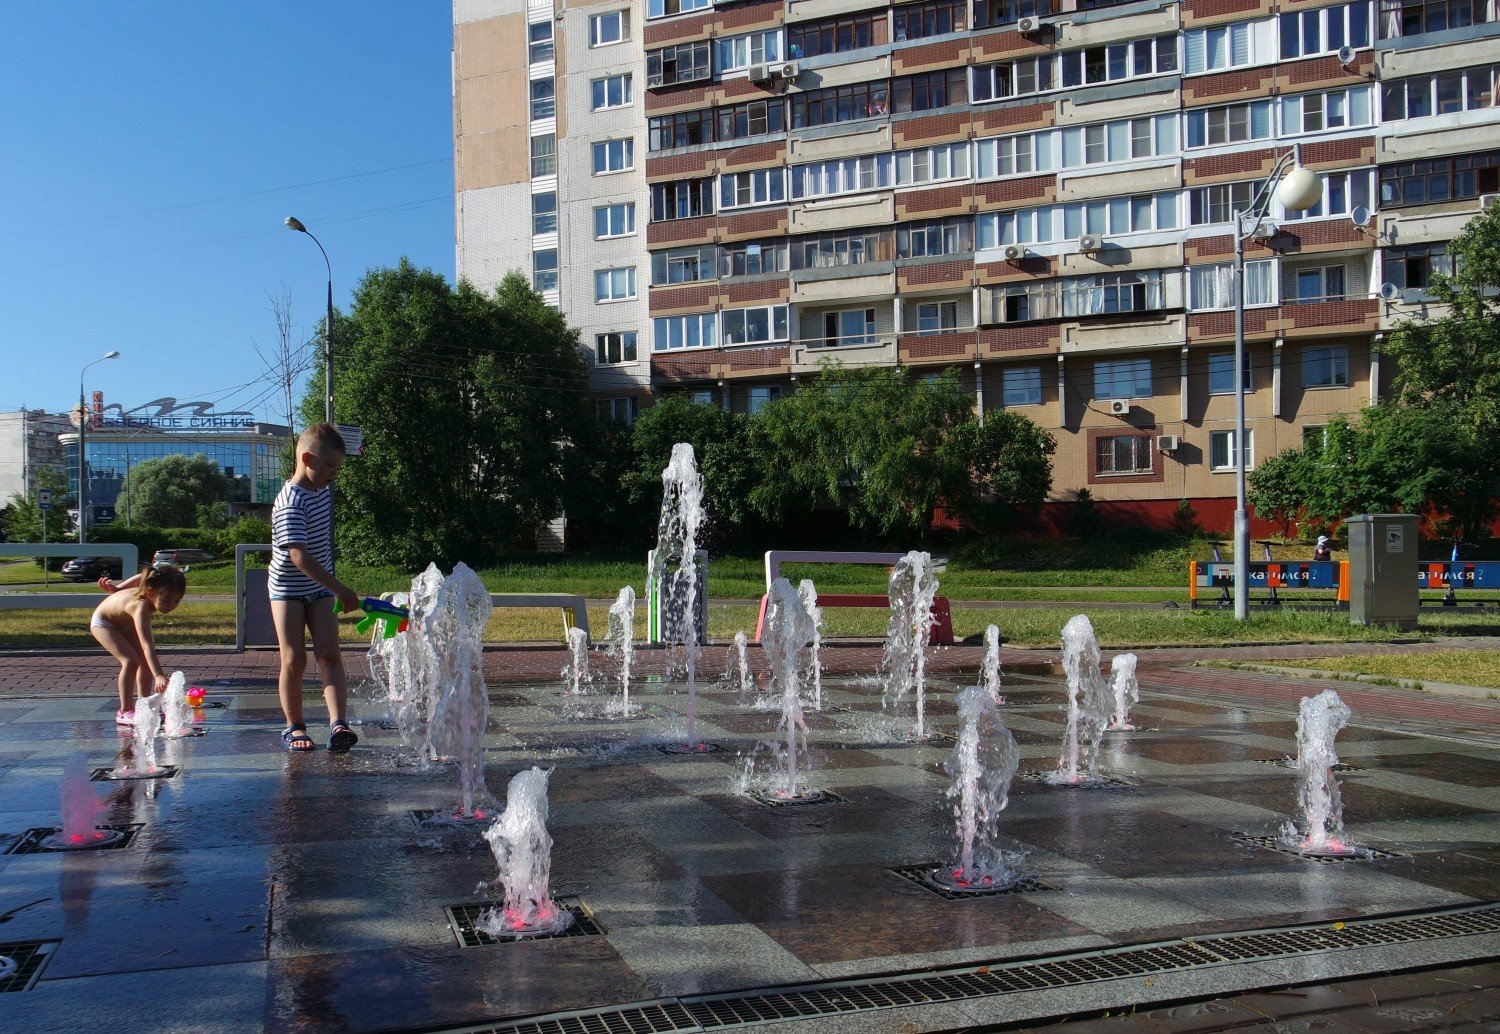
x: 1448, y: 689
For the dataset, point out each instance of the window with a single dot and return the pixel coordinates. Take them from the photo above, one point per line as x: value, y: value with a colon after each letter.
x: 1021, y: 386
x: 543, y: 99
x: 1218, y: 203
x: 839, y: 104
x: 1118, y: 141
x: 762, y: 396
x: 1335, y: 109
x: 1122, y: 378
x: 613, y: 27
x: 684, y: 63
x: 750, y: 259
x: 761, y: 187
x: 756, y: 118
x: 1323, y: 31
x: 841, y: 176
x: 757, y: 48
x: 936, y: 317
x: 681, y: 199
x: 1140, y: 214
x: 929, y: 90
x: 618, y: 347
x: 1116, y: 61
x: 544, y: 270
x: 539, y: 41
x: 1343, y: 192
x: 619, y: 410
x: 683, y: 265
x: 1467, y: 89
x: 1012, y: 78
x: 1122, y: 454
x: 755, y: 325
x: 1006, y: 12
x: 614, y: 220
x: 1218, y: 48
x: 1414, y: 17
x: 1315, y: 284
x: 544, y: 212
x: 1212, y: 287
x: 612, y: 91
x: 1018, y: 155
x: 1325, y: 367
x: 939, y: 237
x: 1413, y: 265
x: 1221, y: 374
x: 1221, y: 450
x: 836, y: 35
x: 1112, y: 294
x: 662, y: 8
x: 844, y: 249
x: 1231, y: 124
x: 614, y: 155
x: 1440, y: 179
x: 850, y: 327
x: 1020, y: 303
x: 918, y: 21
x: 684, y: 129
x: 932, y: 164
x: 614, y: 285
x: 544, y: 155
x: 696, y: 331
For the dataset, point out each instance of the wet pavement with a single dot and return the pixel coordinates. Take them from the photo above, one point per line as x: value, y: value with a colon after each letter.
x: 263, y: 891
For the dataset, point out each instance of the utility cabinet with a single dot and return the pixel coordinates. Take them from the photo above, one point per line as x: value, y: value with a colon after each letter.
x: 1383, y: 569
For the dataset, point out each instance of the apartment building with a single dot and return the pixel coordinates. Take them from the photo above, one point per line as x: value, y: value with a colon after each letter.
x: 724, y: 196
x: 28, y: 442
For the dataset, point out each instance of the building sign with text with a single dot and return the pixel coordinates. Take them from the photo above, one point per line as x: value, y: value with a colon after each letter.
x: 167, y: 414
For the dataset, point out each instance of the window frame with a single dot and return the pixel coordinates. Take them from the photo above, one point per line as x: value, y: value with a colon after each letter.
x: 597, y: 23
x: 605, y: 148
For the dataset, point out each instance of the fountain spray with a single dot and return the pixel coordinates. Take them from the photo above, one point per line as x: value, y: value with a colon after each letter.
x: 462, y: 714
x: 81, y: 810
x: 675, y: 565
x: 903, y: 666
x: 523, y: 851
x: 1319, y: 720
x: 1088, y: 702
x: 809, y: 593
x: 737, y: 671
x: 1127, y: 691
x: 176, y: 714
x: 982, y: 764
x: 147, y: 723
x: 621, y: 639
x: 789, y: 628
x: 576, y: 671
x: 990, y: 671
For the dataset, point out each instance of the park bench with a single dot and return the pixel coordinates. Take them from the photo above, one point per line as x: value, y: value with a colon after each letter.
x: 942, y: 625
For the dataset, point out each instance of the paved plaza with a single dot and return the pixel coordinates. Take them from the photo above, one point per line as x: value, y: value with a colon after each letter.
x: 263, y: 891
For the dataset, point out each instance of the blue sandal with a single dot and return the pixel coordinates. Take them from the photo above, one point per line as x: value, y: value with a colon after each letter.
x: 295, y: 739
x: 341, y: 737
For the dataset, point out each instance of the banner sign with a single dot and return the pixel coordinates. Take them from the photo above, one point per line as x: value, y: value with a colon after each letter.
x: 1474, y: 575
x: 1311, y: 574
x: 167, y: 414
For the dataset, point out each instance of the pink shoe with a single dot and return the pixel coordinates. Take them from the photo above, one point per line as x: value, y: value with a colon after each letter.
x: 124, y: 717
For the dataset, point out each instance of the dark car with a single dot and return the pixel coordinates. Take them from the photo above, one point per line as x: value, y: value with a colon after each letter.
x: 181, y: 557
x: 91, y: 568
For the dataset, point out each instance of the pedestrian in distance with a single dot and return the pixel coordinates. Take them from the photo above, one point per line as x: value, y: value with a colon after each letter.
x: 122, y: 625
x: 1322, y: 551
x: 303, y: 588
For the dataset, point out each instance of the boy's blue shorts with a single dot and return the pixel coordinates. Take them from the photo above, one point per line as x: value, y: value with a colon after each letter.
x: 307, y: 600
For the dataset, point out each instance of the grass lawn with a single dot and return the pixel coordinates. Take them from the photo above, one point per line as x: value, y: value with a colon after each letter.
x: 1461, y: 667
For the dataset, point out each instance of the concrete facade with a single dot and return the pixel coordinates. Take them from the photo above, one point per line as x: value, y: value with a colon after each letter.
x: 28, y: 441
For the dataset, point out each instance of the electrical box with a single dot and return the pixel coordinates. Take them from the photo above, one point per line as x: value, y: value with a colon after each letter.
x: 1383, y: 569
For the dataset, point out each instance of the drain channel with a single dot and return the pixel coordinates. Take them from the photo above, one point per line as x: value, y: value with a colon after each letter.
x: 718, y: 1012
x: 462, y: 920
x: 35, y: 841
x: 26, y: 961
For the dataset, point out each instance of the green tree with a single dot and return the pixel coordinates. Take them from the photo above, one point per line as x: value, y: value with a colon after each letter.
x: 166, y: 492
x: 1009, y: 465
x: 468, y: 402
x: 1277, y: 489
x: 26, y: 516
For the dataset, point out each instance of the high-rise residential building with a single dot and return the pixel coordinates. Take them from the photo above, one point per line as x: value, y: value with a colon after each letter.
x: 29, y: 442
x: 1038, y: 193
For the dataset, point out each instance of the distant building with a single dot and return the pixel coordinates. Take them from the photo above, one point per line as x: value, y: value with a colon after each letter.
x: 117, y: 440
x: 28, y: 442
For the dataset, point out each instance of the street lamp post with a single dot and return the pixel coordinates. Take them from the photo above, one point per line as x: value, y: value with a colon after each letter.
x: 293, y: 223
x: 1297, y: 189
x: 83, y: 423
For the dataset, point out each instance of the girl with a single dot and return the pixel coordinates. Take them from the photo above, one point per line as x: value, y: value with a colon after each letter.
x: 122, y: 625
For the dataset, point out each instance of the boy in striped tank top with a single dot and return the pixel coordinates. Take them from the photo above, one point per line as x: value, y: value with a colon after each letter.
x: 303, y: 588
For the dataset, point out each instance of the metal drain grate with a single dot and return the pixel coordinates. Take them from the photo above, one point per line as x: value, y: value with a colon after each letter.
x: 438, y: 818
x: 690, y: 749
x: 461, y: 919
x: 29, y: 958
x: 921, y: 876
x: 835, y: 997
x: 214, y: 705
x: 761, y: 797
x: 31, y: 840
x: 1292, y: 764
x: 1089, y: 784
x: 1274, y: 843
x: 107, y: 775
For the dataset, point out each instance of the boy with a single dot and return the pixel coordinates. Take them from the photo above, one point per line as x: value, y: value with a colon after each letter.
x: 303, y: 588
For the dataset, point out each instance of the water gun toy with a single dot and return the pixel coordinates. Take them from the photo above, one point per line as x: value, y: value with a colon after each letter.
x: 391, y: 618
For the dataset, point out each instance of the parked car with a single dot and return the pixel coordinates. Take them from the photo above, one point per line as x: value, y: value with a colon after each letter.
x: 181, y: 557
x: 91, y: 568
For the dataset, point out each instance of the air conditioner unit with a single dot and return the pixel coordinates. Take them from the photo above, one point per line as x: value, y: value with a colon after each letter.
x: 1028, y: 25
x: 1266, y: 230
x: 1090, y: 242
x: 1119, y: 407
x: 1486, y: 200
x: 759, y: 73
x: 1013, y: 252
x: 788, y: 70
x: 1168, y: 442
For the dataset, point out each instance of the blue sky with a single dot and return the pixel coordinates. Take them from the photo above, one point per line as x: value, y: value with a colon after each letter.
x: 152, y: 150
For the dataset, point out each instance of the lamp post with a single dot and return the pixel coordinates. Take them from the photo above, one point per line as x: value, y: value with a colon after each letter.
x: 293, y: 223
x: 83, y: 423
x: 1297, y: 189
